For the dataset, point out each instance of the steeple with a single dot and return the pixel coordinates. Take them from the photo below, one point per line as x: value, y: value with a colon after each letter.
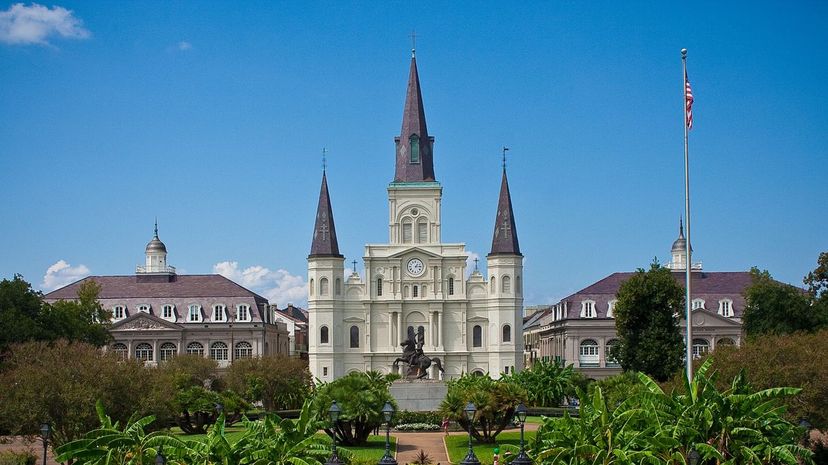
x: 505, y: 240
x: 414, y: 145
x: 324, y: 233
x: 155, y: 256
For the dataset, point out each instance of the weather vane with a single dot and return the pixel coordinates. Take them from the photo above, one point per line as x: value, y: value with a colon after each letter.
x: 505, y: 149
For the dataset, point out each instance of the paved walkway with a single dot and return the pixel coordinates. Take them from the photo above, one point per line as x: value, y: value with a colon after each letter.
x: 410, y: 444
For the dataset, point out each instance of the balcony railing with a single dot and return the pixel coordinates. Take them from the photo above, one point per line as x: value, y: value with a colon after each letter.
x: 154, y: 269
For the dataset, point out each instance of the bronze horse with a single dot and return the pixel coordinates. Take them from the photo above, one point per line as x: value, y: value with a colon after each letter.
x: 415, y: 358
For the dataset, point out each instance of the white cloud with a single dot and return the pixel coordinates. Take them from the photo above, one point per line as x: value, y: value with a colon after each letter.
x: 33, y: 24
x: 61, y: 274
x: 184, y: 46
x: 279, y: 287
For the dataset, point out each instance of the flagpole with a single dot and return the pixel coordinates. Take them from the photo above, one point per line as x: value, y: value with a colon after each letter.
x: 688, y: 263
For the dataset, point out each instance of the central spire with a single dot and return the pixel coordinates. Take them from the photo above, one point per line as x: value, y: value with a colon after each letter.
x: 414, y: 145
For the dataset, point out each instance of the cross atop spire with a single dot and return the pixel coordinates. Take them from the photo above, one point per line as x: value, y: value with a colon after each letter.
x: 413, y: 43
x: 324, y: 159
x: 414, y: 145
x: 505, y: 149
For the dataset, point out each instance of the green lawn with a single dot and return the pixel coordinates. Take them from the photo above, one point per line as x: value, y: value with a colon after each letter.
x: 233, y: 433
x: 458, y: 446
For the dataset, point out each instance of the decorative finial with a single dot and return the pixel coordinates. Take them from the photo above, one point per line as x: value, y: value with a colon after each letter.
x: 683, y: 53
x: 324, y: 159
x: 156, y: 227
x: 413, y: 43
x: 505, y: 149
x: 681, y: 226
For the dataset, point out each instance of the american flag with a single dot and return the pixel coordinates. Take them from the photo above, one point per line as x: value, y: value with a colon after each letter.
x: 688, y: 103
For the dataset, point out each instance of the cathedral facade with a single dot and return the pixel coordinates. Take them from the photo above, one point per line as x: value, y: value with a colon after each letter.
x: 415, y: 286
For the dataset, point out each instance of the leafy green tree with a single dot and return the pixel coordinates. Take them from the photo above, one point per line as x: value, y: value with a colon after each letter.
x: 278, y: 382
x: 361, y: 397
x: 495, y: 401
x: 772, y: 307
x: 817, y: 280
x: 647, y: 323
x: 20, y: 308
x: 547, y: 383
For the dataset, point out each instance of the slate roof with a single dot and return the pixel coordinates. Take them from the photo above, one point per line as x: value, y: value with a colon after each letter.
x: 414, y: 122
x: 324, y: 242
x: 505, y: 238
x: 179, y: 286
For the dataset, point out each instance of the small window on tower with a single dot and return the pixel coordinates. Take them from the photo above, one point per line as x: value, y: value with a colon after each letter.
x: 414, y: 142
x: 422, y: 231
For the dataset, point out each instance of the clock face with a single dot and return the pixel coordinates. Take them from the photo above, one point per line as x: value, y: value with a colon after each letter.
x: 415, y: 267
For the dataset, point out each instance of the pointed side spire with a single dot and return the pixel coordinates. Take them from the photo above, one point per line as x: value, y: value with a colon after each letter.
x: 415, y: 161
x: 324, y: 233
x: 505, y: 240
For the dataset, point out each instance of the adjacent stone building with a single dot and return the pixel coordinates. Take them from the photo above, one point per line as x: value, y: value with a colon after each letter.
x: 296, y: 320
x: 157, y: 314
x: 415, y: 285
x: 580, y: 329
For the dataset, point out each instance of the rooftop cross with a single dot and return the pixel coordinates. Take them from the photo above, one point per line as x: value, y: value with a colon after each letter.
x: 413, y: 43
x: 505, y: 149
x: 324, y: 159
x: 475, y: 264
x: 354, y: 262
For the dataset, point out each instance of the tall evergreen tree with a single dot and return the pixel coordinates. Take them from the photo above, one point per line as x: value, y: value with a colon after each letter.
x: 647, y: 323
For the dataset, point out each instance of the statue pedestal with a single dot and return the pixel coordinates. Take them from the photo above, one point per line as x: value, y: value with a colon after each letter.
x: 418, y: 395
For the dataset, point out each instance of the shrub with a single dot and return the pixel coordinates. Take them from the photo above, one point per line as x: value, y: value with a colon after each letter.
x: 432, y: 418
x: 495, y: 401
x: 547, y: 383
x: 361, y: 396
x: 278, y: 382
x: 417, y: 427
x: 17, y: 458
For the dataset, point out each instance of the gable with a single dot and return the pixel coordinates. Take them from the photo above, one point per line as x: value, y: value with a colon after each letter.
x: 143, y: 321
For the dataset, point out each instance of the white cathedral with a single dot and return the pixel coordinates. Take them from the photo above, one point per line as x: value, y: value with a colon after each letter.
x: 415, y: 285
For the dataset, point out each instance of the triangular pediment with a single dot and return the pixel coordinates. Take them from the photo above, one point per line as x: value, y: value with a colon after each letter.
x: 477, y: 318
x: 703, y: 317
x: 143, y: 321
x: 414, y: 250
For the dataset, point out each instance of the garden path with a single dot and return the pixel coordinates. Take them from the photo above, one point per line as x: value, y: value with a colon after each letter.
x: 409, y: 445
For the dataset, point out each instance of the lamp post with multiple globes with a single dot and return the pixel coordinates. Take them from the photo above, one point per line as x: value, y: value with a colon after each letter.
x: 470, y: 458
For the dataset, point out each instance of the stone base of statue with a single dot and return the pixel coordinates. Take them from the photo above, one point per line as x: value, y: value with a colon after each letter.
x: 418, y: 395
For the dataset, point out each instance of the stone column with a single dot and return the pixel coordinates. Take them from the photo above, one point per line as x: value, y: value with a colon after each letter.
x: 440, y: 330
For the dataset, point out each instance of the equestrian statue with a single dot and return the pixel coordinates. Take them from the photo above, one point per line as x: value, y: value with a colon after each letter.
x: 414, y: 357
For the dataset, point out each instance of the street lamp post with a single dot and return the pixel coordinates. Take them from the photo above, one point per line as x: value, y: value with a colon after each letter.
x: 159, y: 457
x: 693, y: 457
x: 806, y: 436
x: 522, y: 458
x: 470, y: 458
x: 45, y: 432
x: 333, y: 414
x: 388, y: 414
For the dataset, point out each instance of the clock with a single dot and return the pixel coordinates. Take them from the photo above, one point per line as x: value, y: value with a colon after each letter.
x: 415, y: 267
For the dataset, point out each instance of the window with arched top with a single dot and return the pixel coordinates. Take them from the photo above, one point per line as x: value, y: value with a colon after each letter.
x: 726, y: 341
x: 244, y: 350
x: 588, y: 355
x: 194, y: 313
x: 195, y: 348
x: 506, y: 284
x: 492, y: 286
x: 323, y: 286
x: 414, y: 148
x: 451, y: 286
x: 120, y: 350
x: 379, y: 286
x: 338, y: 287
x: 588, y: 309
x: 698, y: 303
x: 422, y: 231
x: 218, y: 351
x: 407, y: 231
x: 700, y: 347
x: 611, y: 362
x: 310, y: 288
x: 421, y: 334
x: 477, y: 336
x: 507, y: 333
x: 167, y: 351
x: 323, y: 335
x: 726, y: 308
x: 354, y: 337
x: 243, y: 313
x: 143, y: 352
x: 415, y: 291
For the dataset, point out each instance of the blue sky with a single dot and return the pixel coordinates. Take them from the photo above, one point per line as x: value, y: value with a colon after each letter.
x: 212, y: 116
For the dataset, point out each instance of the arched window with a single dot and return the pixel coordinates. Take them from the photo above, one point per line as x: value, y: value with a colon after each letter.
x: 411, y: 333
x: 310, y: 288
x: 507, y: 333
x: 421, y: 334
x: 120, y: 350
x: 195, y: 348
x: 588, y: 309
x: 194, y: 313
x: 477, y: 373
x: 144, y: 308
x: 588, y: 353
x: 323, y: 335
x: 610, y: 360
x: 726, y: 307
x: 167, y: 312
x: 379, y: 286
x: 218, y: 313
x: 406, y: 231
x: 726, y: 341
x: 323, y: 286
x: 167, y: 351
x: 405, y: 291
x: 700, y: 347
x: 338, y: 286
x: 415, y: 291
x: 244, y: 350
x: 414, y: 144
x: 422, y: 231
x: 698, y: 303
x: 118, y: 312
x: 506, y: 284
x: 477, y: 336
x: 143, y: 352
x: 354, y: 337
x: 218, y: 351
x: 492, y: 286
x: 451, y: 286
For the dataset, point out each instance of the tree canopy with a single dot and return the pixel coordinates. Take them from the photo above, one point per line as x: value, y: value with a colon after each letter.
x: 647, y: 323
x: 772, y: 307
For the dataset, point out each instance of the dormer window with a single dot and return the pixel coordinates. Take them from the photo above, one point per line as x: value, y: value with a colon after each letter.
x: 167, y: 312
x: 726, y: 308
x: 118, y: 312
x: 611, y: 308
x: 414, y: 143
x: 194, y: 314
x: 243, y: 312
x: 588, y: 309
x: 145, y: 308
x: 698, y: 303
x: 218, y: 313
